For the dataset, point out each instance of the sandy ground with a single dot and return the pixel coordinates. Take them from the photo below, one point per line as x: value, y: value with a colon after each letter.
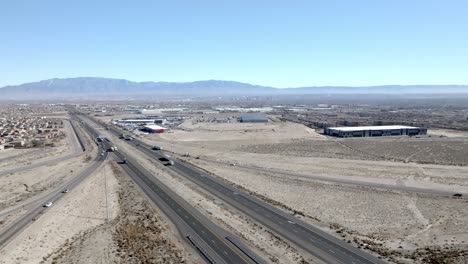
x: 18, y: 188
x: 262, y: 241
x: 447, y: 133
x: 89, y: 205
x: 137, y: 234
x: 393, y: 219
x: 406, y: 228
x: 8, y: 153
x: 21, y: 190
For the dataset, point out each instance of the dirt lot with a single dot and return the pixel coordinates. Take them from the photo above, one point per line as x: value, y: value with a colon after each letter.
x: 445, y: 151
x: 10, y: 153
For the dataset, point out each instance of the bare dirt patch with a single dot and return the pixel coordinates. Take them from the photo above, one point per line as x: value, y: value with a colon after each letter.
x: 84, y: 207
x: 136, y: 235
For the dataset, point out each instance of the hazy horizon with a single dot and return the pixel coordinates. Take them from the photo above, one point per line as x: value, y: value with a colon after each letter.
x: 256, y: 84
x: 277, y: 44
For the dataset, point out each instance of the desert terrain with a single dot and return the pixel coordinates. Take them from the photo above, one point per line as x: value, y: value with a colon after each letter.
x: 265, y: 243
x: 276, y: 161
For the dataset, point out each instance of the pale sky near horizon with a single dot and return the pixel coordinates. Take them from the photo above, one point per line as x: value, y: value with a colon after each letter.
x: 274, y: 43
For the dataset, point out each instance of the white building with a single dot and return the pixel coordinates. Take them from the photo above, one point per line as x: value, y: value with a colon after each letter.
x: 375, y: 131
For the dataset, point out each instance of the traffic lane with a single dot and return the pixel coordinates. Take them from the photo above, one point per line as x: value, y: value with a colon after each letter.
x: 199, y: 226
x: 205, y: 222
x: 280, y: 222
x: 17, y: 226
x: 318, y: 241
x: 312, y: 243
x: 311, y: 240
x: 319, y: 245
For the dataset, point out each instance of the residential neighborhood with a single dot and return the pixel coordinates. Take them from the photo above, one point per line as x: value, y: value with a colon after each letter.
x: 28, y: 131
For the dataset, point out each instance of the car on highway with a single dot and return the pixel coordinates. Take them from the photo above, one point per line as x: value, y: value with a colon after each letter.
x: 65, y: 191
x: 166, y: 160
x: 48, y: 204
x: 124, y: 161
x: 156, y: 148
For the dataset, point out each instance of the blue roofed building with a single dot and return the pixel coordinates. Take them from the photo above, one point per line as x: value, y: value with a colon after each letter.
x: 253, y: 119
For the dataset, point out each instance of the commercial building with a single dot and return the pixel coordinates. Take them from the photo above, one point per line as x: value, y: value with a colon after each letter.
x: 136, y: 121
x: 153, y: 129
x: 375, y: 131
x: 253, y: 119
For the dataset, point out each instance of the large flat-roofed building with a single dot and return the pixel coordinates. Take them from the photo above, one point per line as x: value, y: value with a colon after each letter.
x: 253, y: 119
x: 137, y: 121
x: 375, y: 131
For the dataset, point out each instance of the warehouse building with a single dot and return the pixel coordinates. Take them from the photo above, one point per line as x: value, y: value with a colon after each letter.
x: 153, y: 129
x: 253, y: 119
x: 141, y: 121
x: 375, y: 131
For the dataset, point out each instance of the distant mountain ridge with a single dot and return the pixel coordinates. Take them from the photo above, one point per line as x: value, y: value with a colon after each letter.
x: 94, y: 87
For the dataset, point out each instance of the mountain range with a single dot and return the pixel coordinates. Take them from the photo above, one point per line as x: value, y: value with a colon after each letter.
x: 106, y: 88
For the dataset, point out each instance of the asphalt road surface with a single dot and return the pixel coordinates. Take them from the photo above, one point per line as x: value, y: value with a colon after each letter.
x: 313, y: 240
x: 21, y: 223
x: 214, y: 244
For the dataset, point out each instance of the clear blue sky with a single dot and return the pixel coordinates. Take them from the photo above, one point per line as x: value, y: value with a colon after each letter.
x: 277, y: 43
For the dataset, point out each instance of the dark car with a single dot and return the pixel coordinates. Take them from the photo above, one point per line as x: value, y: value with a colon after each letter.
x: 156, y: 148
x: 166, y: 161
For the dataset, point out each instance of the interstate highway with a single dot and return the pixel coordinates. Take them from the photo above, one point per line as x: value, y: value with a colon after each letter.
x: 214, y: 244
x: 311, y: 239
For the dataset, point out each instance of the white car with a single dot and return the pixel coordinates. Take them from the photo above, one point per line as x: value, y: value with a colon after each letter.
x: 48, y: 204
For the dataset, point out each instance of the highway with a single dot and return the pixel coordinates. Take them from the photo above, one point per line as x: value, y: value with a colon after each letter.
x: 77, y: 149
x: 311, y: 239
x: 25, y: 220
x: 213, y: 243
